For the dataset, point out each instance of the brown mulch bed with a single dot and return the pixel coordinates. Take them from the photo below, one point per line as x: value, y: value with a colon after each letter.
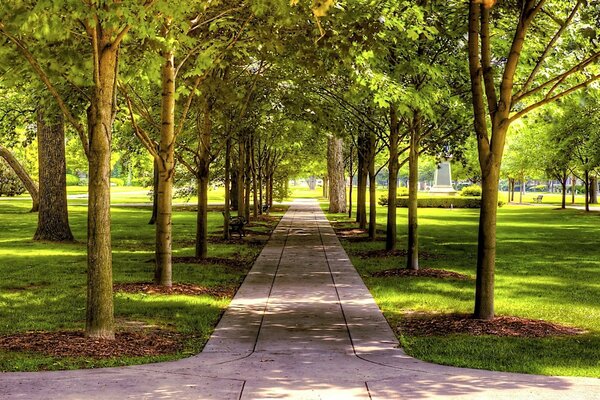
x: 235, y: 262
x: 423, y: 272
x: 177, y: 288
x: 449, y: 324
x: 382, y: 253
x: 75, y: 344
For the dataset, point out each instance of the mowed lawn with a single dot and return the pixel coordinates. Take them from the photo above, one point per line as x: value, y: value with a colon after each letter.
x: 548, y: 268
x: 43, y: 285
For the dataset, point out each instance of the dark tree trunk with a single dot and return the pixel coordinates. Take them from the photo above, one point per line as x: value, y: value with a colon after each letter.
x: 247, y: 181
x: 53, y: 215
x: 335, y: 171
x: 563, y: 183
x: 573, y: 184
x: 372, y: 188
x: 234, y: 188
x: 255, y: 208
x: 240, y: 177
x: 271, y: 183
x: 412, y: 258
x: 203, y: 169
x: 351, y: 173
x: 363, y: 173
x: 390, y: 240
x: 21, y: 172
x: 594, y: 190
x: 587, y: 190
x: 227, y: 206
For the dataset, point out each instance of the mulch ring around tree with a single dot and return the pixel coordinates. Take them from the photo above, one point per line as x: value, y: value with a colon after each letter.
x: 450, y: 324
x: 423, y: 272
x: 177, y: 288
x: 383, y: 253
x: 75, y: 344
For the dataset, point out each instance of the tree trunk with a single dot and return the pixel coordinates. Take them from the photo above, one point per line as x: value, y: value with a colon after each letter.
x: 227, y: 206
x: 99, y: 309
x: 372, y: 188
x: 24, y: 176
x: 587, y: 190
x: 203, y: 169
x: 312, y: 183
x: 594, y: 190
x: 154, y: 194
x: 271, y: 179
x: 563, y: 183
x: 390, y: 240
x: 53, y: 215
x: 247, y: 181
x: 512, y: 191
x: 486, y: 249
x: 573, y: 184
x: 255, y: 208
x: 335, y: 171
x: 521, y: 191
x: 163, y: 271
x: 325, y: 187
x: 234, y: 188
x: 412, y: 259
x: 363, y: 173
x: 351, y: 173
x: 240, y: 177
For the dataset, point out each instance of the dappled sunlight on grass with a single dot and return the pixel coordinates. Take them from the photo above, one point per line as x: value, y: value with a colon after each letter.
x: 548, y: 263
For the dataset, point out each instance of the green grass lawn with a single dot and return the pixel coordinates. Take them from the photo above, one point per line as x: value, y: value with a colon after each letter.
x: 548, y: 267
x: 43, y: 286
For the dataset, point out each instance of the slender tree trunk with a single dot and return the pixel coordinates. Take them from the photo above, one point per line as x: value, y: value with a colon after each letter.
x: 563, y: 183
x: 363, y: 173
x: 587, y: 190
x: 521, y: 190
x: 247, y: 181
x: 234, y: 188
x: 240, y: 176
x: 594, y: 190
x: 24, y: 176
x: 255, y: 208
x: 53, y: 215
x: 512, y: 184
x: 154, y: 194
x: 372, y: 189
x: 325, y: 187
x: 390, y: 242
x: 271, y: 179
x: 351, y: 173
x: 99, y: 309
x: 163, y: 271
x: 412, y: 258
x: 227, y: 206
x: 203, y: 169
x: 573, y: 184
x: 335, y: 171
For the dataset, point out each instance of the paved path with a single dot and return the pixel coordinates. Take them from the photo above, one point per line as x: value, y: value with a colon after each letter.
x: 302, y: 326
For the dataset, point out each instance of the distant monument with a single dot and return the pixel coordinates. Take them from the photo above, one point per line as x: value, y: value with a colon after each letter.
x: 443, y: 180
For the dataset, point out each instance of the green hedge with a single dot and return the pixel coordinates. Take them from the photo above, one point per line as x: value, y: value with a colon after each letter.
x: 471, y: 191
x: 72, y: 180
x: 445, y: 202
x: 117, y: 182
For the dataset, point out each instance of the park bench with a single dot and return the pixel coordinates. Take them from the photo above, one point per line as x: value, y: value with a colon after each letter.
x: 538, y: 199
x: 236, y: 224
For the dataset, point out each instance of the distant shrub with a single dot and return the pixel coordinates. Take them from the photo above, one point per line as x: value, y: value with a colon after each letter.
x: 72, y: 180
x: 402, y: 191
x: 538, y: 188
x: 442, y: 202
x: 83, y: 182
x: 383, y: 201
x: 10, y: 185
x: 117, y: 182
x: 472, y: 191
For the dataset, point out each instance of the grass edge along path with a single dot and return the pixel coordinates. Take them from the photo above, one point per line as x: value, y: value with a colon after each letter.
x: 547, y: 270
x: 42, y: 293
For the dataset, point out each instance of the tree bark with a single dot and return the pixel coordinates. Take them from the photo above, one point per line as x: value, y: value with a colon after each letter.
x: 335, y: 171
x: 412, y: 259
x: 247, y: 180
x: 21, y: 172
x: 594, y: 190
x: 240, y: 177
x: 372, y: 188
x: 587, y: 190
x: 390, y: 241
x: 573, y: 184
x: 227, y: 205
x: 203, y: 170
x: 154, y: 193
x: 351, y: 173
x: 563, y: 183
x: 363, y: 173
x: 163, y: 272
x: 53, y: 215
x: 255, y: 205
x: 99, y: 309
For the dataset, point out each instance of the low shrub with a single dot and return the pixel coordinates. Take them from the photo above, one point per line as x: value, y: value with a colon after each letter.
x: 72, y: 180
x: 383, y: 201
x: 117, y: 182
x: 471, y: 191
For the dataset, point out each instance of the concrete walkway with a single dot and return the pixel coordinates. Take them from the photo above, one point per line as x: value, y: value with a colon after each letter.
x: 302, y: 326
